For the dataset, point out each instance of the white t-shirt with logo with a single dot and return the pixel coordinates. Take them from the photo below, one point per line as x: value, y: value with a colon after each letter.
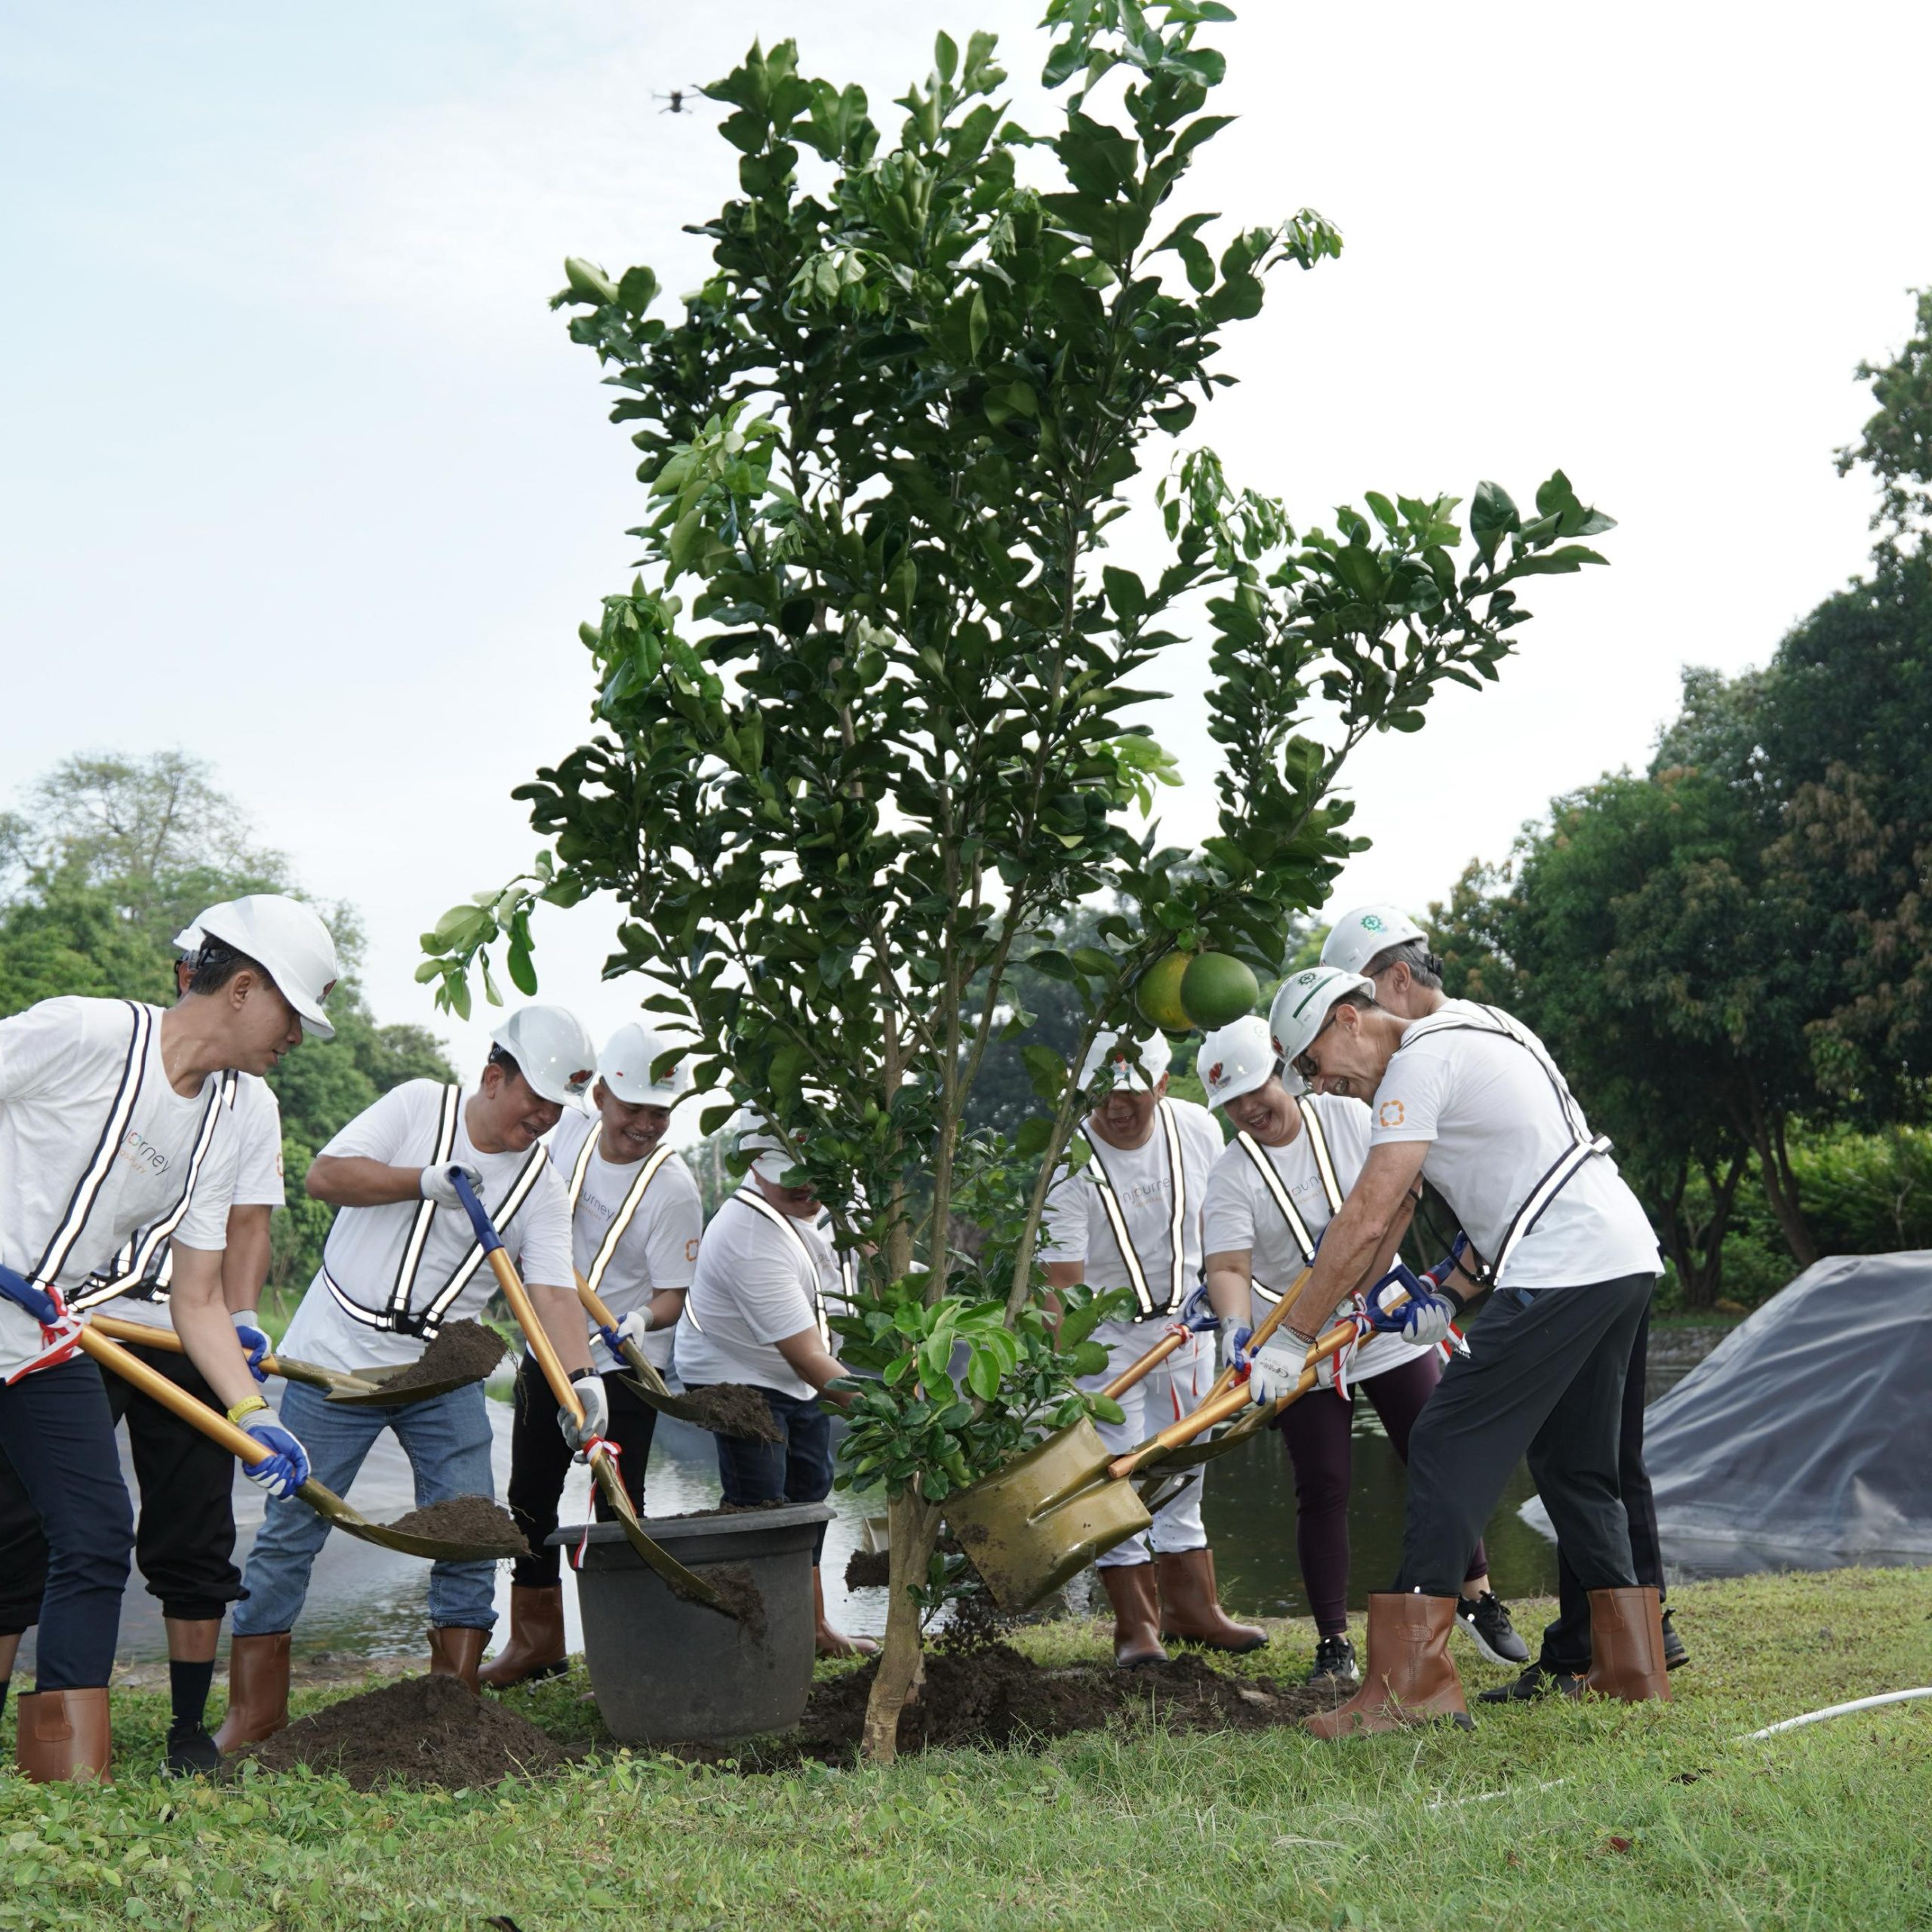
x: 755, y: 1284
x: 1495, y: 1126
x: 1242, y: 1213
x: 62, y: 1065
x: 657, y: 1250
x: 258, y: 1183
x: 1074, y: 1227
x: 365, y: 1247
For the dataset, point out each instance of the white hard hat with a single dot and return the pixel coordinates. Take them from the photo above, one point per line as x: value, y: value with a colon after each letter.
x: 287, y: 938
x: 1108, y: 1057
x: 775, y: 1159
x: 1358, y: 936
x: 1299, y: 1009
x: 1236, y: 1058
x: 551, y: 1051
x: 625, y: 1065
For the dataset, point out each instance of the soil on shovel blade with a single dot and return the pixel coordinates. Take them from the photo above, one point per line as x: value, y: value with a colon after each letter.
x: 742, y: 1598
x: 868, y: 1569
x: 471, y: 1519
x: 732, y: 1408
x: 465, y: 1350
x: 425, y: 1731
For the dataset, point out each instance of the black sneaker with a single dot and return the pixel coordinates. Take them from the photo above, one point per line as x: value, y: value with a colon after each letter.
x: 1486, y: 1619
x: 190, y: 1753
x: 1335, y: 1666
x: 1675, y: 1654
x: 1534, y: 1683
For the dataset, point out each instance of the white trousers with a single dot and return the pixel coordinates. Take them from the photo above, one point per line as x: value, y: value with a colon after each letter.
x: 1164, y: 1395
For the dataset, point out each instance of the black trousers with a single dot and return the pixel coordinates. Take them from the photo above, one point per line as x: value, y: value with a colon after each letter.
x: 184, y: 1539
x: 796, y: 1470
x: 540, y: 1460
x: 1566, y: 1642
x: 57, y: 1433
x: 1544, y: 1377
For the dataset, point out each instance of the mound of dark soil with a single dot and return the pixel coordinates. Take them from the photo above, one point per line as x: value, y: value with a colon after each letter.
x: 868, y: 1569
x: 734, y: 1408
x: 427, y: 1730
x: 471, y: 1519
x: 463, y: 1352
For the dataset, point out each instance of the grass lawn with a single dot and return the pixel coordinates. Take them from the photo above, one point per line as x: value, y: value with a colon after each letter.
x: 1550, y: 1817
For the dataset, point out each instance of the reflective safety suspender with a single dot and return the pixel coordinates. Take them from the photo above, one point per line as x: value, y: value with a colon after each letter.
x: 1584, y: 1145
x: 145, y: 1266
x: 848, y: 1268
x: 1136, y: 1274
x: 1271, y: 1179
x: 627, y: 1213
x: 396, y: 1316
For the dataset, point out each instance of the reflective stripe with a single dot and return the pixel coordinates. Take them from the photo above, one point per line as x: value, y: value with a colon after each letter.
x: 1271, y: 1179
x: 1136, y: 1273
x: 448, y: 1112
x: 1584, y: 1147
x: 145, y: 1266
x: 620, y: 1221
x: 758, y: 1205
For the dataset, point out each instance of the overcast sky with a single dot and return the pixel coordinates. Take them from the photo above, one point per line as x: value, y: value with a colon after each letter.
x: 301, y: 476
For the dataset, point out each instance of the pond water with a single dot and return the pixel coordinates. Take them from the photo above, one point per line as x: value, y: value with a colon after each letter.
x: 370, y: 1602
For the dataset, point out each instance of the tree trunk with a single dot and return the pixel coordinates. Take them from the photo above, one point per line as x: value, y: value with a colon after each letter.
x: 914, y: 1529
x: 1781, y: 1189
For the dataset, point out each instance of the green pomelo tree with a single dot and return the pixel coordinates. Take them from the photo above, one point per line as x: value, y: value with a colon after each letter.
x: 1217, y: 987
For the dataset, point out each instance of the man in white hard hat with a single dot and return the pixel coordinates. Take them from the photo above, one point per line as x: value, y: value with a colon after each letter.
x: 184, y: 1537
x: 1270, y: 1198
x: 1392, y: 953
x: 114, y: 1117
x: 767, y: 1271
x: 1470, y: 1099
x: 401, y: 1260
x: 1130, y: 1218
x: 635, y: 1218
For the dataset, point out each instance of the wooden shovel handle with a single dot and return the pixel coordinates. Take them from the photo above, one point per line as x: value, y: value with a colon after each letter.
x: 541, y: 1346
x: 640, y: 1364
x: 1138, y: 1371
x: 151, y: 1382
x: 1266, y: 1326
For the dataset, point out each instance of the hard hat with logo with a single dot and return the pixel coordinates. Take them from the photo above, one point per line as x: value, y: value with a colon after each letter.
x: 625, y: 1067
x: 1358, y: 936
x: 1299, y: 1009
x: 1108, y: 1065
x: 553, y: 1052
x: 1236, y: 1058
x: 289, y: 941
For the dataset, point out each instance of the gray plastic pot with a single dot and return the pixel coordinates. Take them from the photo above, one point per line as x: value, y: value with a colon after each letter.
x: 665, y: 1671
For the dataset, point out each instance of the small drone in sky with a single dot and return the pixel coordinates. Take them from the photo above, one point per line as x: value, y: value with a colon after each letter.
x: 676, y: 99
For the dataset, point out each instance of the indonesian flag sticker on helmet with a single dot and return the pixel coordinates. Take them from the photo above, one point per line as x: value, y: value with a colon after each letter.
x: 289, y: 941
x: 552, y: 1051
x: 1301, y: 1007
x: 1358, y: 936
x: 626, y: 1063
x: 1236, y: 1059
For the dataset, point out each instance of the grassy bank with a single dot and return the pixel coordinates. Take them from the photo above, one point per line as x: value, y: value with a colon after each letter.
x: 1549, y: 1817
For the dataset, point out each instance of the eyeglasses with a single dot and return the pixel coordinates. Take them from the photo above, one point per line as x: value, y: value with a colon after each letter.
x: 1303, y: 1064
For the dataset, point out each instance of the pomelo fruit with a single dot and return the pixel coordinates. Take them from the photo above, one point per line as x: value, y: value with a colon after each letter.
x: 1217, y: 989
x: 1158, y: 995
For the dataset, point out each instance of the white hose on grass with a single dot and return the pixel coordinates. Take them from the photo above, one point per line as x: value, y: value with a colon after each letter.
x: 1836, y: 1711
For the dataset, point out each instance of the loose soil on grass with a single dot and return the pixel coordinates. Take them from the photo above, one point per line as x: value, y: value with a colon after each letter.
x: 425, y: 1731
x: 471, y: 1519
x: 463, y: 1352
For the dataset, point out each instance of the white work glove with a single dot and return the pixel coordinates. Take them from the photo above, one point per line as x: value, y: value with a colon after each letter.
x: 632, y: 1327
x: 590, y: 1387
x: 1423, y: 1320
x: 1276, y: 1366
x: 1232, y: 1337
x: 435, y: 1184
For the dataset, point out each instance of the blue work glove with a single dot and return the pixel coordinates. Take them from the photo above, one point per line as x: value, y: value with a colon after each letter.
x: 37, y: 1302
x: 286, y: 1469
x: 632, y: 1327
x: 1234, y: 1337
x: 254, y: 1343
x: 1197, y: 1312
x: 1422, y: 1320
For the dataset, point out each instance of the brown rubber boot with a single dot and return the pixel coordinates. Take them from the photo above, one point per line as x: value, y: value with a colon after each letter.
x: 535, y: 1647
x: 257, y: 1690
x: 1191, y: 1605
x: 831, y: 1643
x: 64, y: 1734
x: 1129, y: 1588
x: 1408, y: 1675
x: 455, y: 1651
x: 1626, y: 1646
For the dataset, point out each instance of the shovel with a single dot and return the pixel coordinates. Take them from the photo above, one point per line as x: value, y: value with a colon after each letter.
x: 685, y: 1583
x: 238, y: 1442
x: 644, y: 1376
x: 339, y: 1385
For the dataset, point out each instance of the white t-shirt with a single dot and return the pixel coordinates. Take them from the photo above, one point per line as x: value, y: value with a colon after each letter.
x: 754, y: 1285
x: 657, y: 1250
x: 1076, y: 1228
x: 1496, y: 1126
x: 258, y: 1183
x: 68, y: 1119
x: 1242, y: 1213
x: 364, y: 1252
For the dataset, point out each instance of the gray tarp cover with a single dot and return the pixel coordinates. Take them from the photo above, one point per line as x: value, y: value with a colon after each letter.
x: 1809, y: 1428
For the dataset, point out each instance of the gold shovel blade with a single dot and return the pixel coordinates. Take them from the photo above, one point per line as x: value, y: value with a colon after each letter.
x: 351, y: 1522
x: 1044, y: 1517
x: 380, y: 1397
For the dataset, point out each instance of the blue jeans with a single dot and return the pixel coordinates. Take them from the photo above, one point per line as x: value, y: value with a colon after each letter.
x: 447, y: 1440
x: 796, y: 1470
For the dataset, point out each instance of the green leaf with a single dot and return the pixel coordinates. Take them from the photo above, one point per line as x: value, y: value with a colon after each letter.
x: 1033, y: 1138
x: 945, y: 55
x: 979, y: 324
x: 982, y: 1375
